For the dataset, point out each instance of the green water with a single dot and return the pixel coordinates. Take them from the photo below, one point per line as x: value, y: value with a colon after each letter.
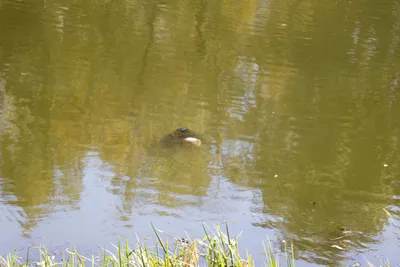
x: 299, y: 100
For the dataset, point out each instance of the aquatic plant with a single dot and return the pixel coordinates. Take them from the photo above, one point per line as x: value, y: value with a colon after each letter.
x: 216, y: 248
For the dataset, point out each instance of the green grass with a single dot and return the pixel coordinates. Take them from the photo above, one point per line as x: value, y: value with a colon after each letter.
x: 216, y: 248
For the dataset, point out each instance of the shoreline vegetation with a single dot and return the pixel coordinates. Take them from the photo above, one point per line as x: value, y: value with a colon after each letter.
x: 214, y: 249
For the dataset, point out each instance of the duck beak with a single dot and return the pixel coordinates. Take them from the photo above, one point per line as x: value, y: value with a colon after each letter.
x: 193, y: 140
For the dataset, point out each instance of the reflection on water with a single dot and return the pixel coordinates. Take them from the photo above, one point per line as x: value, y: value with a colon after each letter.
x: 299, y: 102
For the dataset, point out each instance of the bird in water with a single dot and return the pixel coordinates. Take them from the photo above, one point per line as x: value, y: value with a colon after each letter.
x: 182, y: 136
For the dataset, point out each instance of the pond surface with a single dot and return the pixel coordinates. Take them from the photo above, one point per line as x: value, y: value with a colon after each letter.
x: 299, y: 100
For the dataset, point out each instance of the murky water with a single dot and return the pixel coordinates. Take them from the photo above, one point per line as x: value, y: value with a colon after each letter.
x: 299, y: 101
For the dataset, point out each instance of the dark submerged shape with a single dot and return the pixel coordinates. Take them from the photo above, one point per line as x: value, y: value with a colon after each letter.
x: 179, y: 138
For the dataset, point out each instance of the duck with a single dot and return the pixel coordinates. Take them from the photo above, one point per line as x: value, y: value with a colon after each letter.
x: 182, y: 136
